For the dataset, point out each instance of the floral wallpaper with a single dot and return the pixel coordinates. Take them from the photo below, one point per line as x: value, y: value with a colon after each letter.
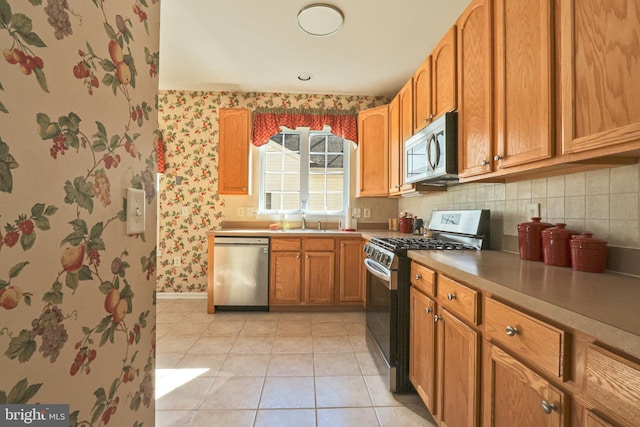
x: 78, y: 123
x: 189, y: 122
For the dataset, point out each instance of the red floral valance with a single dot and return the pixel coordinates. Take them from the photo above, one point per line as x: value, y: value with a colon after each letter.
x: 267, y: 122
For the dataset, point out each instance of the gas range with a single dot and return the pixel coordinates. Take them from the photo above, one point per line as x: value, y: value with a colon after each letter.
x: 450, y: 230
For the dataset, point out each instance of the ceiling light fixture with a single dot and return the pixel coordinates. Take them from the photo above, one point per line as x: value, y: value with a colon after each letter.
x: 304, y: 77
x: 320, y: 19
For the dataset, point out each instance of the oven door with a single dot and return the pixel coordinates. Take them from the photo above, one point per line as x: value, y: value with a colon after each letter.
x: 382, y: 313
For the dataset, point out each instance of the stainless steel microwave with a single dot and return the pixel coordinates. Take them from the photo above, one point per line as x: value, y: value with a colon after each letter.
x: 431, y: 155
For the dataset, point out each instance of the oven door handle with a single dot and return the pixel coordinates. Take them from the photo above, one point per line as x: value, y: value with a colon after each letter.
x: 378, y: 270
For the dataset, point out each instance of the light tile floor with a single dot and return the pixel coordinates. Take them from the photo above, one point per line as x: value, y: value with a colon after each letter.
x: 271, y: 369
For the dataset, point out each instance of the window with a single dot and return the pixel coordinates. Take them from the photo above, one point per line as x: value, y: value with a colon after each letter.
x: 317, y: 185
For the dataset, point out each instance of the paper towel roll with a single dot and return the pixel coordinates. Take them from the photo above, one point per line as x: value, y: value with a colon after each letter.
x: 347, y: 218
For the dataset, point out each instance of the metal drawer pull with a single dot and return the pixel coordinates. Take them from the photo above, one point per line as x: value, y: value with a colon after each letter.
x: 484, y: 163
x: 451, y: 296
x: 547, y: 407
x: 511, y: 331
x: 436, y: 318
x: 418, y: 276
x: 427, y: 310
x: 497, y: 157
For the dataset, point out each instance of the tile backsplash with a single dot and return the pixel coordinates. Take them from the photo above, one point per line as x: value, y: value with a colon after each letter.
x: 604, y: 202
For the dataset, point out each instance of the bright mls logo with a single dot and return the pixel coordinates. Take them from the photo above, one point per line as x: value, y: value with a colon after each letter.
x: 34, y: 415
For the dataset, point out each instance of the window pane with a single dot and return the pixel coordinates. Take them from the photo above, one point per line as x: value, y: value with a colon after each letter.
x: 317, y: 163
x: 317, y: 183
x: 334, y: 161
x: 273, y: 161
x: 336, y: 144
x: 334, y: 201
x: 317, y: 144
x: 316, y: 202
x: 291, y: 182
x: 335, y: 183
x: 272, y: 182
x: 290, y: 201
x: 292, y: 142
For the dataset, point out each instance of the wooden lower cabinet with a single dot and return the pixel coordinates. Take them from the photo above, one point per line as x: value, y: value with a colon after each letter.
x: 516, y: 395
x: 592, y: 420
x: 319, y: 273
x: 351, y: 271
x: 422, y: 353
x: 304, y: 276
x: 458, y: 372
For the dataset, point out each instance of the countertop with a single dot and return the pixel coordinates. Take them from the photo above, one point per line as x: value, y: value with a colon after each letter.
x: 261, y: 232
x: 605, y: 306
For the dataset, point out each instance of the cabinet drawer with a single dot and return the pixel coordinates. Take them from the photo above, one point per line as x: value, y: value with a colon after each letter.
x: 529, y: 338
x: 458, y: 298
x: 319, y: 244
x: 613, y: 382
x: 285, y: 244
x: 423, y: 279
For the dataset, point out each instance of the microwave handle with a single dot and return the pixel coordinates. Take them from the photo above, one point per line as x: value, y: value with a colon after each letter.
x: 433, y: 162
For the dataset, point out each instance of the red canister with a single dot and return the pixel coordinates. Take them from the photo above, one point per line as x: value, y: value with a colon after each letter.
x: 405, y: 225
x: 530, y: 239
x: 588, y: 254
x: 555, y: 245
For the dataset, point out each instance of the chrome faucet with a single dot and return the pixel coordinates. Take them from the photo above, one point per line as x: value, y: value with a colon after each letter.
x: 304, y: 221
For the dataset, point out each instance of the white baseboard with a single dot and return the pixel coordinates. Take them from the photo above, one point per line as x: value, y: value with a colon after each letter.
x: 181, y: 295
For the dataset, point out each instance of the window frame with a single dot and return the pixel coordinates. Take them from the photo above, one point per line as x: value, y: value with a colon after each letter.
x: 305, y: 142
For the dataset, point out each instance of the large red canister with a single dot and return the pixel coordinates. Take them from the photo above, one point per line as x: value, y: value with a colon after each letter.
x: 530, y: 239
x: 555, y: 245
x: 588, y: 254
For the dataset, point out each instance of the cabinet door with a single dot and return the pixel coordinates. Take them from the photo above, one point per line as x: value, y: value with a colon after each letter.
x: 395, y: 147
x: 422, y: 99
x: 405, y: 97
x: 601, y: 83
x: 351, y: 288
x: 319, y: 273
x: 286, y: 271
x: 458, y: 372
x: 373, y: 152
x: 592, y: 420
x: 517, y: 394
x: 233, y: 150
x: 444, y: 74
x: 523, y: 63
x: 422, y: 356
x: 475, y: 119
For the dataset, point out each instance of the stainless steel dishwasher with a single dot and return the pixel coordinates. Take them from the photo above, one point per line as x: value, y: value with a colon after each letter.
x: 241, y: 273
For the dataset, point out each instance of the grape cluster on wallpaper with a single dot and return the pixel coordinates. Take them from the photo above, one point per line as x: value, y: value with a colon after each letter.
x: 189, y: 122
x: 78, y: 125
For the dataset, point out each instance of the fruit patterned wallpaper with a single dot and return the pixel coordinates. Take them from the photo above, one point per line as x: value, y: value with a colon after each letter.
x: 78, y: 120
x: 189, y: 122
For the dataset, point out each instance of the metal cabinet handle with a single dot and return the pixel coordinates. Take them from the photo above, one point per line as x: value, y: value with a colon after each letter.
x: 418, y: 276
x: 437, y: 318
x: 428, y: 310
x: 431, y: 116
x: 342, y: 245
x: 307, y: 256
x: 451, y: 296
x: 511, y: 331
x: 497, y: 157
x: 297, y: 256
x: 484, y: 163
x: 547, y: 407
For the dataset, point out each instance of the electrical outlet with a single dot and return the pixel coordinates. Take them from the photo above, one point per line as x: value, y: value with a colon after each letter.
x: 176, y: 261
x: 355, y: 212
x: 241, y: 211
x: 249, y: 210
x: 185, y: 210
x: 533, y: 210
x: 366, y: 212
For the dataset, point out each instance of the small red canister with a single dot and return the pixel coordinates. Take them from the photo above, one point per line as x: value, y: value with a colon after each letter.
x: 555, y: 245
x: 405, y: 224
x: 588, y: 254
x: 530, y: 239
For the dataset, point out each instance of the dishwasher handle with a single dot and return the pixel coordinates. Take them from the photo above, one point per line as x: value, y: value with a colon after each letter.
x: 241, y: 241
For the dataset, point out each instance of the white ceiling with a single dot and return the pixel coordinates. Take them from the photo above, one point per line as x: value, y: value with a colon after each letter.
x: 256, y: 45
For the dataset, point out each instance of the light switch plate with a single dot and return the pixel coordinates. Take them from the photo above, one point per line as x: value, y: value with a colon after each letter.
x: 355, y: 212
x: 135, y: 211
x: 366, y: 212
x: 185, y: 210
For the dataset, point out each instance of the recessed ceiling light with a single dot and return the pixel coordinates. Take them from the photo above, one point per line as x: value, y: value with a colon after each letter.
x: 320, y: 19
x: 305, y: 77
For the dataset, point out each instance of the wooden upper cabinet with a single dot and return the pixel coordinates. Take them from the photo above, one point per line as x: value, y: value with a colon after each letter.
x: 475, y: 92
x: 444, y: 74
x: 600, y: 56
x: 395, y: 147
x: 524, y: 81
x: 373, y: 152
x: 422, y: 97
x: 233, y: 150
x: 405, y: 97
